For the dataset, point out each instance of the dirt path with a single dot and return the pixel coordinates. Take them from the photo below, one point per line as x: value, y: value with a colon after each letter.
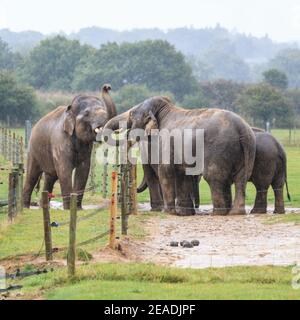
x: 224, y: 241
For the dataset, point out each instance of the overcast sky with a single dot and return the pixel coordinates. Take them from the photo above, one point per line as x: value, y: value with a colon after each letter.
x: 280, y: 19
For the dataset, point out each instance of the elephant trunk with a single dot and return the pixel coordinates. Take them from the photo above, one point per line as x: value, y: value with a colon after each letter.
x: 114, y: 123
x: 143, y: 186
x: 110, y: 105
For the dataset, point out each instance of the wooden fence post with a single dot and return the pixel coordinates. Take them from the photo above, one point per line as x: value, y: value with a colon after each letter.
x: 72, y: 236
x: 47, y: 226
x: 11, y: 195
x: 113, y: 209
x: 5, y: 153
x: 124, y: 200
x: 105, y: 174
x: 19, y: 188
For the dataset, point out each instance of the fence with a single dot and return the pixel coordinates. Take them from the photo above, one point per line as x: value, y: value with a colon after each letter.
x: 11, y: 172
x: 123, y: 203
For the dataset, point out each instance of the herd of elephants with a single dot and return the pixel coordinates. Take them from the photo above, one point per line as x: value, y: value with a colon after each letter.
x: 234, y: 153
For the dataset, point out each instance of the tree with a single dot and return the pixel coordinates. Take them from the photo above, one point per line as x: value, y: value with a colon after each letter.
x: 155, y: 64
x: 18, y: 102
x: 288, y: 61
x: 222, y: 93
x: 130, y: 95
x: 51, y: 65
x: 276, y: 78
x: 6, y: 57
x: 220, y: 61
x: 263, y: 104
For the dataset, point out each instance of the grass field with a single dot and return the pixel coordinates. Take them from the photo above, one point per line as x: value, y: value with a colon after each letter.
x: 146, y: 281
x: 143, y: 281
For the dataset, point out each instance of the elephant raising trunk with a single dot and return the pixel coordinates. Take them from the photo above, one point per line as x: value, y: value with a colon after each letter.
x: 110, y: 105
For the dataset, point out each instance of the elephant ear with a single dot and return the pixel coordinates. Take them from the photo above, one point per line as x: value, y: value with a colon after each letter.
x: 69, y: 122
x: 152, y: 124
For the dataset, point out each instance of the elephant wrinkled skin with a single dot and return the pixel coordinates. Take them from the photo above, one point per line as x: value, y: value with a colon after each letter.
x: 62, y: 141
x: 229, y: 153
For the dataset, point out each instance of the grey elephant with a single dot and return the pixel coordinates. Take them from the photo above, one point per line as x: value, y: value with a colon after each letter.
x: 270, y: 169
x: 62, y: 141
x: 229, y: 153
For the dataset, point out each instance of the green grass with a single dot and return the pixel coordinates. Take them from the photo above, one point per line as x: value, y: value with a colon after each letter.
x: 286, y: 218
x: 25, y: 235
x: 147, y: 281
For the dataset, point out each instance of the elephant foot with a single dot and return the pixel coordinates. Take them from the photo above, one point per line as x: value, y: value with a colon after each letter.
x: 156, y: 209
x: 258, y: 211
x: 279, y: 210
x: 237, y: 212
x: 169, y: 210
x: 220, y: 212
x: 184, y: 212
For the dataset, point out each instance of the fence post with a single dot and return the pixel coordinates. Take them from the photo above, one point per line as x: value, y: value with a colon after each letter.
x: 9, y: 156
x: 92, y: 169
x: 27, y: 133
x: 104, y: 174
x: 132, y: 184
x: 72, y: 236
x: 19, y: 188
x: 124, y: 204
x: 11, y: 195
x: 113, y: 209
x: 47, y: 226
x: 21, y: 149
x: 5, y: 145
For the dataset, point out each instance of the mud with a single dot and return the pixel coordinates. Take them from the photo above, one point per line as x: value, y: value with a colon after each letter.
x: 224, y: 241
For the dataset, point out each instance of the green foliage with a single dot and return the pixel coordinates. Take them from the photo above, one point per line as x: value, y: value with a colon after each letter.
x: 288, y: 61
x: 130, y: 95
x: 220, y: 61
x: 276, y: 78
x: 155, y: 64
x: 8, y: 59
x: 264, y: 103
x: 51, y: 65
x: 18, y: 102
x: 222, y: 93
x: 197, y: 100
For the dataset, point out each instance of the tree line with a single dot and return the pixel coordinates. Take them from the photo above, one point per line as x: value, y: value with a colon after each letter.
x: 136, y: 71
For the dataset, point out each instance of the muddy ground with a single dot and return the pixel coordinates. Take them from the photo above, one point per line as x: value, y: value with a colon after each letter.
x: 224, y: 241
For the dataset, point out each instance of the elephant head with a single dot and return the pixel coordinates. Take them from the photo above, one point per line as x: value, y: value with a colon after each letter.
x: 87, y: 114
x: 143, y: 116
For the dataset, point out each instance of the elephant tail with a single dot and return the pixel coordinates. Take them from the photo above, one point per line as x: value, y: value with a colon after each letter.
x: 143, y: 186
x: 284, y: 164
x: 247, y: 141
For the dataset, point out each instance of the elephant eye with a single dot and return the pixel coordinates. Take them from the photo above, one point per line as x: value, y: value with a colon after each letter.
x: 86, y: 113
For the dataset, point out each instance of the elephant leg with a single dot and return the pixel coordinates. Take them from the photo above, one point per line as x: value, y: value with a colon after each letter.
x: 185, y: 194
x: 228, y: 197
x: 49, y: 182
x: 166, y: 175
x: 196, y: 195
x: 156, y: 198
x: 65, y: 181
x: 32, y: 176
x: 220, y: 197
x: 240, y: 196
x: 260, y: 205
x: 81, y: 178
x: 279, y: 199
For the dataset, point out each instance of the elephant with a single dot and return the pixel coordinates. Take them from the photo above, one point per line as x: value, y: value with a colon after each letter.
x: 62, y: 141
x: 269, y: 169
x: 229, y: 152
